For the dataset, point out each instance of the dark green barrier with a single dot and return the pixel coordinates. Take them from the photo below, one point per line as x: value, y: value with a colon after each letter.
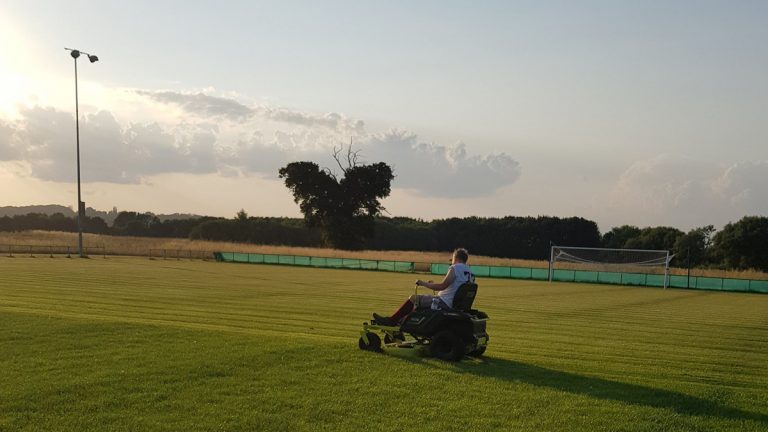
x: 481, y: 270
x: 562, y: 275
x: 585, y: 276
x: 521, y: 273
x: 655, y: 280
x: 680, y: 281
x: 396, y: 266
x: 735, y: 285
x: 758, y: 286
x: 439, y: 268
x: 633, y: 279
x: 609, y: 278
x: 348, y: 263
x: 500, y: 272
x: 709, y: 283
x: 256, y: 258
x: 240, y: 257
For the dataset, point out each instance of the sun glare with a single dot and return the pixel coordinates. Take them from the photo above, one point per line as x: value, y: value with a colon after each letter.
x: 15, y: 83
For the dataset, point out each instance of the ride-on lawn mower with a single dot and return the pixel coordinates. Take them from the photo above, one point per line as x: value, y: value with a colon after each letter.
x: 447, y: 334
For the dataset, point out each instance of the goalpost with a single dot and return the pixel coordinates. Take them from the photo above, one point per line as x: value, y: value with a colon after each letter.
x: 610, y: 260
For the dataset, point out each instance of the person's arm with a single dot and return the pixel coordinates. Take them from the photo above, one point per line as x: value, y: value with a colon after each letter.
x: 447, y: 281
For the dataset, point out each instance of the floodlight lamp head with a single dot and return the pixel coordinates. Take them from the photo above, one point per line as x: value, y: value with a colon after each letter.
x: 75, y: 54
x: 93, y: 58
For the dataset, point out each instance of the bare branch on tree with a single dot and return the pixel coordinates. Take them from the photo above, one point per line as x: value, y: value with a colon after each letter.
x: 330, y: 173
x: 336, y: 153
x: 353, y: 157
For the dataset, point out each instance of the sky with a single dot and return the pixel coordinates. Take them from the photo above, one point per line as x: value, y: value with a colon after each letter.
x: 623, y: 112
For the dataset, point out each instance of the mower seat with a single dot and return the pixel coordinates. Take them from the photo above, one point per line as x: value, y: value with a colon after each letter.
x: 464, y: 297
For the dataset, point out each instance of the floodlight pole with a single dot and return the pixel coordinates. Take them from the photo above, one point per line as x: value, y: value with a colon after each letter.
x: 80, y: 207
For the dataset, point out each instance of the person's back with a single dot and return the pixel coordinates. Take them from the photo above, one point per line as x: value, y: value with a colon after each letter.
x: 462, y: 275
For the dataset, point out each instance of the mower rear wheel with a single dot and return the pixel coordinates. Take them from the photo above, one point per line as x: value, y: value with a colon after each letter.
x: 478, y: 352
x: 373, y: 344
x: 447, y: 345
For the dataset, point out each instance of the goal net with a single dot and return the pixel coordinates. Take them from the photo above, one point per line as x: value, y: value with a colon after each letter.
x: 611, y: 262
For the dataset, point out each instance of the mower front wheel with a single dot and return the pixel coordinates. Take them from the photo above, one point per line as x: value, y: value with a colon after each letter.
x: 477, y: 352
x: 373, y: 344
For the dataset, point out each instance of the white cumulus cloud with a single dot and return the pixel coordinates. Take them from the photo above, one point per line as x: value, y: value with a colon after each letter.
x: 215, y: 134
x: 683, y: 191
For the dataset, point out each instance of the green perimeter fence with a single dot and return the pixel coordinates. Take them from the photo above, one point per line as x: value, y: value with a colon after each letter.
x: 311, y: 261
x: 11, y: 250
x: 582, y: 276
x: 616, y: 278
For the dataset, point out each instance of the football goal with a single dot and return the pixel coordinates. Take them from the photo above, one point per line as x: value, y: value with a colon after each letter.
x: 584, y: 260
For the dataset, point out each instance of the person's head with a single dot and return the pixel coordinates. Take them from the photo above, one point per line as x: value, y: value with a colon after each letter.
x: 460, y: 255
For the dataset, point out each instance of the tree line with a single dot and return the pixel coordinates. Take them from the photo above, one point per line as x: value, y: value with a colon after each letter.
x: 739, y: 245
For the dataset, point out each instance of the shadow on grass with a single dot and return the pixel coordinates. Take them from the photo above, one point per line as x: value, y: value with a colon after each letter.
x: 598, y: 388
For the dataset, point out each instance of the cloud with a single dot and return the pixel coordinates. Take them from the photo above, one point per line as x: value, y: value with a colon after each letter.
x: 45, y: 139
x: 441, y: 171
x: 252, y: 141
x: 201, y: 104
x: 745, y: 185
x: 8, y: 146
x: 204, y: 105
x: 331, y: 121
x: 683, y: 191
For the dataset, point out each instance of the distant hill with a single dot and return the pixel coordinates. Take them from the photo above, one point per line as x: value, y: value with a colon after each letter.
x: 107, y: 216
x: 44, y: 209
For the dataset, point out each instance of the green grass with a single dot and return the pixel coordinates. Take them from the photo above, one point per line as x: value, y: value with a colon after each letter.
x: 125, y: 344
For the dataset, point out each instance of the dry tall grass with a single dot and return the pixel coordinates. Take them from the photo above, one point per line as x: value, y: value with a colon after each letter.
x: 141, y: 246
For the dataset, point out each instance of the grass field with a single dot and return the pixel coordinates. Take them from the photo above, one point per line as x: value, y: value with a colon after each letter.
x: 129, y: 344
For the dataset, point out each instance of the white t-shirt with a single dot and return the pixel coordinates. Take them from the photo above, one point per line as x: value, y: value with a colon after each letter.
x: 462, y: 274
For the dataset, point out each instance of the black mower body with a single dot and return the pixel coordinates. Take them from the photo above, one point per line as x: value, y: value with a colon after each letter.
x: 470, y: 326
x: 449, y: 334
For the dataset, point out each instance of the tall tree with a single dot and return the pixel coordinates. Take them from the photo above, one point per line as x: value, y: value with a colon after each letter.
x: 659, y: 238
x: 343, y: 209
x: 743, y: 244
x: 617, y: 237
x: 692, y: 247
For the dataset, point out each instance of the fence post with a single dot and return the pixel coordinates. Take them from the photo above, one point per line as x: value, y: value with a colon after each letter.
x: 68, y: 254
x: 30, y: 252
x: 50, y: 249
